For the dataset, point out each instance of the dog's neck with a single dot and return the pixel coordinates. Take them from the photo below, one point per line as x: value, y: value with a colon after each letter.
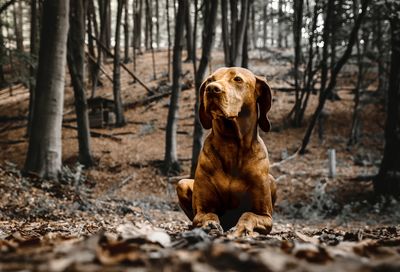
x: 241, y: 130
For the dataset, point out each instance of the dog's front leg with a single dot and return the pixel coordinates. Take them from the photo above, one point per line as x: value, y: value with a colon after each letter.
x: 259, y: 219
x: 208, y: 222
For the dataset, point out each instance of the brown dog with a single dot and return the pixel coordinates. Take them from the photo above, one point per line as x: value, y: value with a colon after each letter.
x: 232, y: 183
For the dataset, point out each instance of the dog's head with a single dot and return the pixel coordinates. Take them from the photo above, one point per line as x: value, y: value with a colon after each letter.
x: 233, y: 93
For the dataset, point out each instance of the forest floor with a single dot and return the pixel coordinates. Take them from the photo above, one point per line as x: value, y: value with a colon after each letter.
x: 122, y: 214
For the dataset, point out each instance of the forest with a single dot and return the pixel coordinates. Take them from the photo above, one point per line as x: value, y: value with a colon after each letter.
x: 125, y: 142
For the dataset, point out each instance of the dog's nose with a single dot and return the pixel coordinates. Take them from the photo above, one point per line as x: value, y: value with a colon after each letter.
x: 213, y: 89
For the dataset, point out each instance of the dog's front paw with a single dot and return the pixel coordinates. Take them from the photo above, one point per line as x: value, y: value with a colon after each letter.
x: 250, y: 224
x: 212, y: 227
x: 242, y: 229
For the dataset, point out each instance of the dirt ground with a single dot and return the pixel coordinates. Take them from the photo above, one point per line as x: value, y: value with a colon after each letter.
x: 122, y: 214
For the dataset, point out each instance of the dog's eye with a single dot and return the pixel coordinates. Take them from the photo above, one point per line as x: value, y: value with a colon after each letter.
x: 237, y: 79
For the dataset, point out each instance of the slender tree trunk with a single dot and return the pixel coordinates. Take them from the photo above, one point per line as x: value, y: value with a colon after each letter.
x: 381, y: 58
x: 254, y: 33
x: 137, y: 26
x: 194, y: 59
x: 189, y: 33
x: 171, y: 158
x: 32, y: 69
x: 2, y: 55
x: 94, y: 65
x: 325, y: 39
x: 388, y: 179
x: 17, y: 20
x: 169, y: 40
x: 310, y: 72
x: 151, y: 44
x: 280, y: 23
x: 44, y: 151
x: 297, y: 26
x: 225, y: 31
x: 119, y: 110
x: 272, y: 16
x: 108, y: 25
x: 241, y: 29
x: 210, y: 15
x: 104, y: 27
x: 157, y: 24
x: 265, y: 24
x: 126, y: 32
x: 332, y: 82
x: 76, y: 64
x: 148, y: 24
x: 233, y: 31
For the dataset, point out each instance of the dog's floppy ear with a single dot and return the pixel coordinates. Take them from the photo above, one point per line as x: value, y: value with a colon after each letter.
x: 205, y: 119
x: 264, y: 101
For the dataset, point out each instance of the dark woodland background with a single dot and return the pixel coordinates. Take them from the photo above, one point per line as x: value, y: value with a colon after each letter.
x: 98, y: 121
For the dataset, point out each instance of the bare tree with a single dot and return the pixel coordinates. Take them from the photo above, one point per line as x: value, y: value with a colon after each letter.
x: 76, y: 63
x: 126, y: 32
x: 171, y: 158
x: 44, y: 152
x: 209, y: 16
x: 119, y: 110
x: 33, y: 54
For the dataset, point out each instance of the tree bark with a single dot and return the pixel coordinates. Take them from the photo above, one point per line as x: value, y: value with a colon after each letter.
x: 171, y: 158
x: 297, y: 26
x: 76, y: 63
x: 388, y: 179
x: 225, y: 31
x: 210, y: 15
x: 157, y: 24
x: 126, y: 33
x: 119, y: 108
x: 169, y: 40
x: 32, y: 71
x: 44, y: 151
x: 17, y: 20
x: 280, y: 21
x: 189, y: 33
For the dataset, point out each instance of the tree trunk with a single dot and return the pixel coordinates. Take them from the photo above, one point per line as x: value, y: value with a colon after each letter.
x: 265, y: 24
x: 297, y: 26
x: 32, y: 71
x: 2, y: 55
x: 147, y: 26
x: 94, y: 65
x: 169, y: 40
x: 332, y: 83
x: 325, y: 49
x: 210, y: 15
x: 171, y: 158
x: 44, y: 152
x: 280, y: 22
x: 388, y: 179
x: 241, y: 29
x: 76, y: 64
x: 126, y: 32
x: 225, y: 31
x: 119, y: 110
x: 137, y: 26
x: 233, y: 6
x: 17, y: 20
x: 105, y: 25
x: 157, y: 24
x: 254, y: 34
x: 189, y: 33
